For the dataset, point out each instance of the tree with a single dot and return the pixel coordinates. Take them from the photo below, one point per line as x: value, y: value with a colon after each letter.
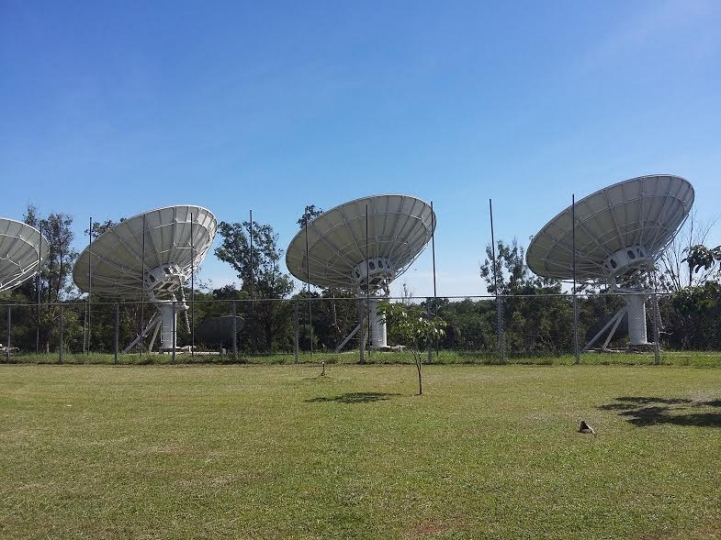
x: 702, y: 258
x: 537, y: 317
x: 257, y: 265
x: 53, y: 284
x: 414, y: 329
x: 675, y: 270
x: 252, y: 250
x: 56, y: 283
x: 335, y: 314
x: 692, y: 312
x: 512, y: 275
x: 471, y: 325
x: 334, y: 311
x: 309, y: 214
x: 692, y: 317
x: 99, y: 228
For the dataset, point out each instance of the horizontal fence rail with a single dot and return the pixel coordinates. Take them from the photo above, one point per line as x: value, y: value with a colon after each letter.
x: 537, y: 328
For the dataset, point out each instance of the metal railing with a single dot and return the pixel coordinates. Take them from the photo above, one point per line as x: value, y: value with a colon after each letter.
x: 484, y: 329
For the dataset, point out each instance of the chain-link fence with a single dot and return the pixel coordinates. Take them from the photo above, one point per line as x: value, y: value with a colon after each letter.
x: 535, y: 328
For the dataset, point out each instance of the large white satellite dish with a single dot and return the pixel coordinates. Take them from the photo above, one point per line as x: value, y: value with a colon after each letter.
x: 619, y: 231
x: 23, y: 251
x: 151, y: 256
x: 361, y: 246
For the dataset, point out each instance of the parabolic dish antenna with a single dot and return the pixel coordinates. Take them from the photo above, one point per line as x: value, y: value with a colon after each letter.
x: 219, y: 330
x: 620, y: 231
x: 23, y: 251
x: 151, y: 256
x: 361, y: 246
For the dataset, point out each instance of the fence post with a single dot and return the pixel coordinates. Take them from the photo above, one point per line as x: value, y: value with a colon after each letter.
x: 361, y: 332
x: 499, y: 330
x: 576, y: 352
x: 61, y: 337
x: 175, y: 335
x: 429, y: 314
x: 37, y: 321
x: 8, y: 344
x: 235, y: 331
x: 117, y: 334
x: 656, y: 329
x: 296, y: 331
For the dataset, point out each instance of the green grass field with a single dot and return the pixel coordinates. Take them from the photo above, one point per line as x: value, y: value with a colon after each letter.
x: 676, y: 358
x: 276, y: 451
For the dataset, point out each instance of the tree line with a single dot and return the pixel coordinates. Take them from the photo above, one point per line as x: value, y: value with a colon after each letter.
x: 537, y: 315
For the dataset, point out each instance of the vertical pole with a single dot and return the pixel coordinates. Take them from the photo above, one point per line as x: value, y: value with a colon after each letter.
x: 361, y: 331
x: 86, y: 344
x: 61, y: 336
x: 37, y: 293
x: 307, y: 275
x: 142, y: 298
x: 116, y: 339
x: 175, y: 335
x: 429, y: 314
x: 296, y: 331
x: 656, y: 324
x: 252, y: 268
x: 656, y: 330
x: 239, y: 335
x: 192, y: 295
x: 235, y: 331
x: 251, y: 311
x: 60, y: 258
x: 576, y: 353
x: 499, y: 299
x: 9, y: 343
x: 368, y: 284
x: 433, y: 251
x: 435, y: 290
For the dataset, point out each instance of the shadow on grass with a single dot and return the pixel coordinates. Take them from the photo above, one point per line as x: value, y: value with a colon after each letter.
x: 645, y: 411
x: 354, y: 397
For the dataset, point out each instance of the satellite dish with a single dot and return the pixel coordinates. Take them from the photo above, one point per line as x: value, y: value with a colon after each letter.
x: 151, y: 256
x: 23, y: 251
x: 219, y: 330
x: 361, y: 246
x: 620, y: 232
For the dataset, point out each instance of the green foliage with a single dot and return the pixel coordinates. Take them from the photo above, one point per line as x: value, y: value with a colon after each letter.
x: 413, y: 328
x: 700, y: 257
x: 52, y: 285
x: 692, y: 318
x: 334, y: 314
x: 510, y: 274
x: 334, y: 311
x: 470, y: 325
x: 537, y: 318
x: 252, y: 250
x: 537, y: 315
x: 310, y: 213
x: 55, y: 282
x: 99, y: 228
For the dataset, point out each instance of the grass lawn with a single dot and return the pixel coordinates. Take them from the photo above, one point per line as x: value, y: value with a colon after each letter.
x: 674, y: 358
x: 275, y: 451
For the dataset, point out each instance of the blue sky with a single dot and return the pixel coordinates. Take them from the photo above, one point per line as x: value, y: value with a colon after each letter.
x: 108, y: 109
